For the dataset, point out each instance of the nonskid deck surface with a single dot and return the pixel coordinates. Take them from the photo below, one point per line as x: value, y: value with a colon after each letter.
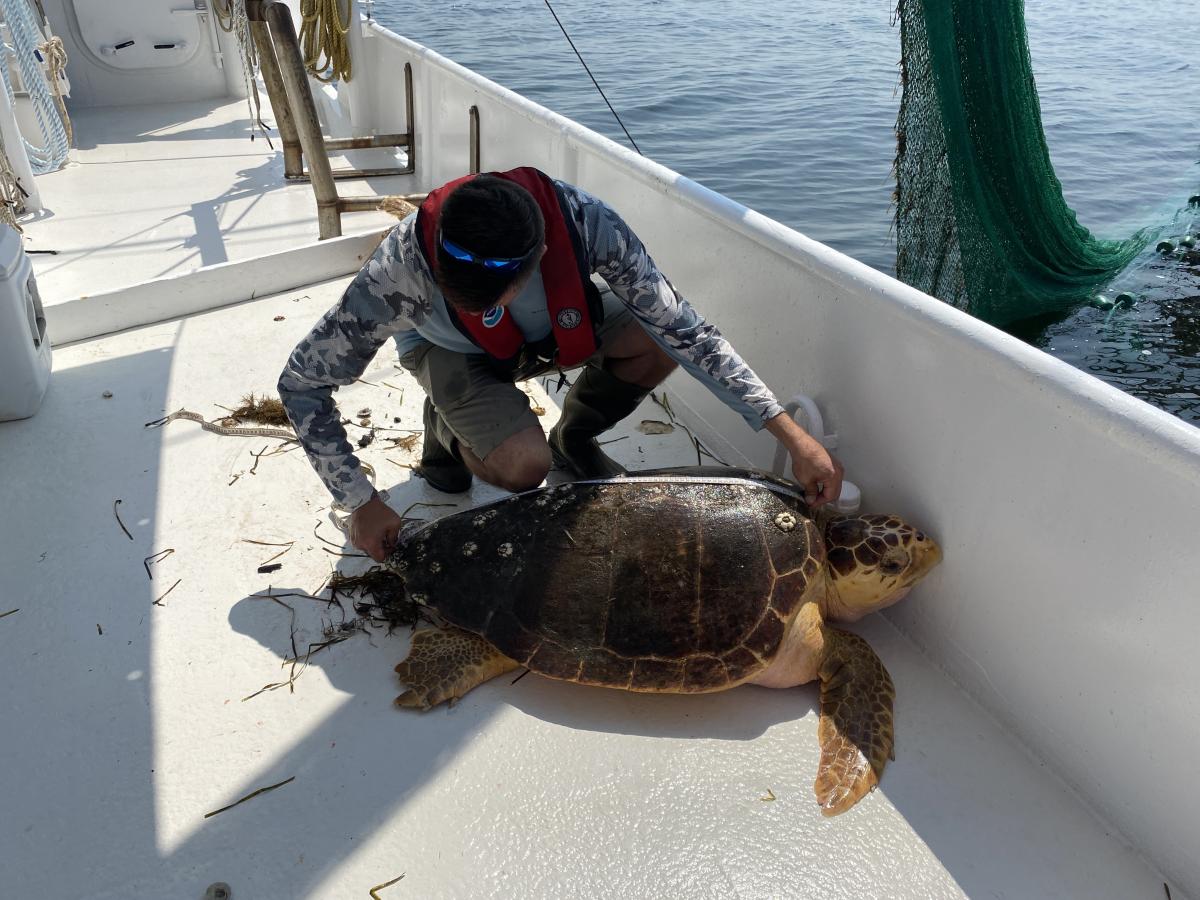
x: 166, y: 188
x: 128, y: 721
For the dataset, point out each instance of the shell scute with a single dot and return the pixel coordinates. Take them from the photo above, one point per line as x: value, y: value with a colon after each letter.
x: 552, y: 657
x: 740, y: 663
x: 766, y: 636
x: 649, y: 612
x: 789, y: 593
x: 704, y: 672
x: 657, y: 675
x: 602, y: 667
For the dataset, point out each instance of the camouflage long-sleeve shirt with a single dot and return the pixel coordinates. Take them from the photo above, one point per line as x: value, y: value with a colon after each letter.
x: 395, y: 292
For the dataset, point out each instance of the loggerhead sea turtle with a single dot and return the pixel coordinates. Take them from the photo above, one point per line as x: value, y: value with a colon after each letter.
x: 671, y: 581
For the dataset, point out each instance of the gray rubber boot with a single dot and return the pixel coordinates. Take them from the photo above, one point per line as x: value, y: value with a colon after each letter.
x: 441, y: 464
x: 597, y: 401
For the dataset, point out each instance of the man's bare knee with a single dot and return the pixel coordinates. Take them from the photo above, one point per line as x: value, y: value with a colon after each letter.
x: 519, y: 463
x: 662, y: 367
x: 648, y: 369
x: 524, y: 477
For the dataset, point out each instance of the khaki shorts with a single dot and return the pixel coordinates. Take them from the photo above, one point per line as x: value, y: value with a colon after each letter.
x: 479, y: 408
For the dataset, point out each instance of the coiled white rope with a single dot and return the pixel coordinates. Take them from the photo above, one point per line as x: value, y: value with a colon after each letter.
x: 26, y: 36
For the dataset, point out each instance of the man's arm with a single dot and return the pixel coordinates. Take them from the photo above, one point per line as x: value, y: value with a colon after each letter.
x: 620, y: 258
x: 387, y: 296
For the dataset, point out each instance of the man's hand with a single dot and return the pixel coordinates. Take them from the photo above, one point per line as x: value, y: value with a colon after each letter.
x: 374, y: 527
x: 812, y: 465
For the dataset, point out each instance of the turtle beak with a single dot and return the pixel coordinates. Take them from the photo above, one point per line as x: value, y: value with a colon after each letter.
x: 927, y: 553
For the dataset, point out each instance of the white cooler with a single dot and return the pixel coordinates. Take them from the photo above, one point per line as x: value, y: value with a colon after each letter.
x: 24, y: 347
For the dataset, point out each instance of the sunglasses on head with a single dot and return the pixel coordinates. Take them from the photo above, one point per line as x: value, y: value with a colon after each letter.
x: 499, y: 265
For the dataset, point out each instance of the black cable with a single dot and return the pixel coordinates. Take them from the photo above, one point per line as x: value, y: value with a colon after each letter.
x: 593, y: 77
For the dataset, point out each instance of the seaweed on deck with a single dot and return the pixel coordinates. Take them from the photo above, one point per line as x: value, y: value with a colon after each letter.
x: 382, y: 597
x: 261, y: 411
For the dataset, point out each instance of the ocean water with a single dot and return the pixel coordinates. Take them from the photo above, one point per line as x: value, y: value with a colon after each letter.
x: 788, y: 106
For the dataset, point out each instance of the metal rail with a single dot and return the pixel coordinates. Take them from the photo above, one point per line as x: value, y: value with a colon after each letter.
x: 293, y: 161
x: 406, y: 140
x: 299, y: 126
x: 473, y: 115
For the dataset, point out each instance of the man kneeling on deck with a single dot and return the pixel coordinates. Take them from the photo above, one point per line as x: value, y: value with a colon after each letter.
x: 489, y: 283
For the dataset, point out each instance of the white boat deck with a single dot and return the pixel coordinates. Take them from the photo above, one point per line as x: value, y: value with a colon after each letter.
x: 129, y: 721
x: 166, y: 188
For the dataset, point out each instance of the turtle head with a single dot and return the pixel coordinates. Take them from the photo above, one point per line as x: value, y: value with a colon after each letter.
x: 872, y: 562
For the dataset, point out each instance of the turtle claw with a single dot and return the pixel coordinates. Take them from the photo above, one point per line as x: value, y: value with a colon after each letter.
x: 426, y: 688
x: 426, y: 698
x: 411, y: 700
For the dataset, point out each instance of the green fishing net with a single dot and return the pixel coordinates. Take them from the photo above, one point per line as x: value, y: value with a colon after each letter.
x: 981, y: 222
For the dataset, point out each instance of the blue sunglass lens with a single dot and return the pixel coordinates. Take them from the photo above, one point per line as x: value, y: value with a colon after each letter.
x: 457, y: 252
x: 502, y: 264
x: 467, y: 256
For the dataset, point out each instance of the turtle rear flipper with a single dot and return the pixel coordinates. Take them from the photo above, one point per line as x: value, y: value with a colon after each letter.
x: 856, y: 730
x: 445, y: 663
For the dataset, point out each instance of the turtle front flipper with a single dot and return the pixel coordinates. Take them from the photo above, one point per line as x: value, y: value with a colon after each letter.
x: 856, y: 730
x: 445, y: 663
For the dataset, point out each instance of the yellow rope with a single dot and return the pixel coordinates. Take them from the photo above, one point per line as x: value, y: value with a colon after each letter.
x: 55, y: 55
x: 323, y: 31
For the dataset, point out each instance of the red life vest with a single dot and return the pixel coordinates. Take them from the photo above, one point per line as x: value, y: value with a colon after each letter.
x: 571, y: 298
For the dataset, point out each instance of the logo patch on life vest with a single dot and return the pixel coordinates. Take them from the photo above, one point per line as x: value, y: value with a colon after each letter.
x: 492, y: 317
x: 569, y: 318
